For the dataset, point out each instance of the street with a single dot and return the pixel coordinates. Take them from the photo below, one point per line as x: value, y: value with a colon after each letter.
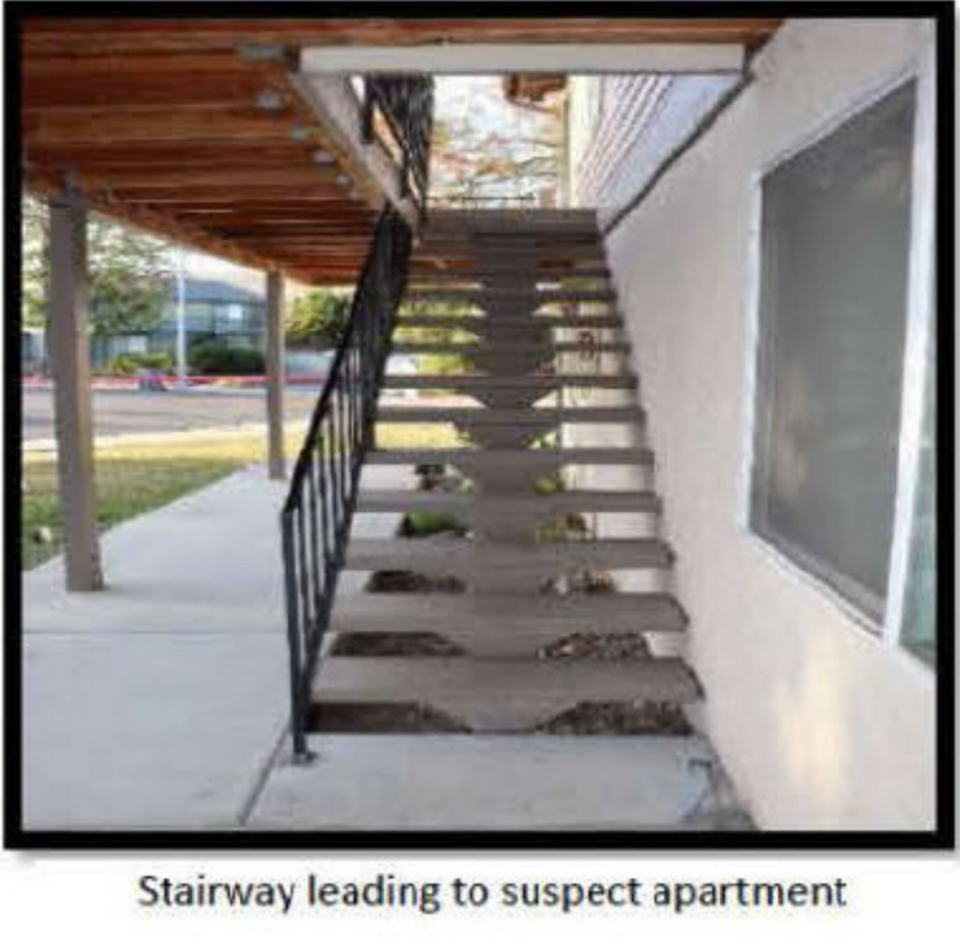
x: 129, y: 412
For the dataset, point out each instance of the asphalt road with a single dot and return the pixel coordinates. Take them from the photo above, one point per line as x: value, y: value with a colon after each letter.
x: 118, y: 413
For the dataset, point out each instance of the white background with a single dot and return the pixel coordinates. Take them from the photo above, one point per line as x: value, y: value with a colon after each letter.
x: 53, y: 900
x: 65, y: 900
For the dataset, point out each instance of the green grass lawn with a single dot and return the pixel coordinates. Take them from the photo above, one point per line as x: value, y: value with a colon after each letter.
x: 135, y: 478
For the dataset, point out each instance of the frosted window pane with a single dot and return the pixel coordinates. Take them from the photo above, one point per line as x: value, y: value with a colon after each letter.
x: 834, y: 251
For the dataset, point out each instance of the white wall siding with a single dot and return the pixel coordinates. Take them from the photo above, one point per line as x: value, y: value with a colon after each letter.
x: 822, y: 724
x: 636, y: 123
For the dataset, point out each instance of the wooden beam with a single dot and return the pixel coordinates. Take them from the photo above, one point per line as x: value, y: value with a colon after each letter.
x: 202, y: 126
x: 82, y: 64
x: 223, y: 177
x: 229, y: 222
x: 145, y: 153
x: 176, y: 195
x: 321, y: 204
x: 346, y: 242
x: 335, y: 104
x: 72, y: 402
x: 281, y: 230
x: 157, y: 222
x: 61, y: 35
x: 146, y: 90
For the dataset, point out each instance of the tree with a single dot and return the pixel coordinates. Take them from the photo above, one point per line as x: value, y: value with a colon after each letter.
x: 130, y: 273
x: 318, y: 317
x: 488, y: 149
x: 36, y: 234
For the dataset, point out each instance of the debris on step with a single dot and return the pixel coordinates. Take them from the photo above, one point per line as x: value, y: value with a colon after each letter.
x: 614, y: 647
x: 429, y: 524
x: 394, y: 644
x: 399, y: 580
x: 619, y: 717
x: 383, y: 718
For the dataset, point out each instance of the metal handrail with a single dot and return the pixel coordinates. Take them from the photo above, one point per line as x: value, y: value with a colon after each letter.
x: 406, y: 103
x: 316, y: 518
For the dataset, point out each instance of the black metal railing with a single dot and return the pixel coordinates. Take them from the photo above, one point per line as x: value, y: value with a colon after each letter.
x: 406, y: 104
x: 319, y: 509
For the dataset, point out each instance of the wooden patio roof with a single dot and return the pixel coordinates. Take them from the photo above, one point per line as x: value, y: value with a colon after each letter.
x: 187, y: 127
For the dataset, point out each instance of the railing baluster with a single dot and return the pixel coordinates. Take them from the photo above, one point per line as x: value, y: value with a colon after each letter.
x: 305, y: 577
x: 406, y: 103
x: 323, y: 491
x: 312, y: 530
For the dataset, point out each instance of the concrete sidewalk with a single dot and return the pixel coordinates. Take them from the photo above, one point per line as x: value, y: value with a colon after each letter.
x: 159, y: 702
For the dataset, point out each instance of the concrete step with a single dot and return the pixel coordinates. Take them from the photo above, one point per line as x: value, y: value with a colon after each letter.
x: 539, y: 297
x: 425, y: 274
x: 546, y: 686
x: 509, y: 614
x: 482, y: 383
x: 512, y: 236
x: 511, y: 456
x: 526, y: 220
x: 519, y: 322
x: 462, y: 504
x: 468, y: 349
x: 484, y: 783
x: 489, y: 248
x: 468, y: 557
x: 534, y: 417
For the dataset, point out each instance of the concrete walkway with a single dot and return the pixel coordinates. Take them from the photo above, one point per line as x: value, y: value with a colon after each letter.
x: 496, y: 782
x: 162, y: 702
x: 159, y: 702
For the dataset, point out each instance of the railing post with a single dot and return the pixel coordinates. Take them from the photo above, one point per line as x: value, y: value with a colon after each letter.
x: 276, y: 376
x: 69, y: 345
x: 298, y: 722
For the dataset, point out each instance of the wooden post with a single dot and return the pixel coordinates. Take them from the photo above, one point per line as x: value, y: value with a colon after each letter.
x: 69, y: 347
x: 275, y: 375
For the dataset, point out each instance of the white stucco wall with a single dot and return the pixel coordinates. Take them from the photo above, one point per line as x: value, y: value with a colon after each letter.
x: 820, y: 723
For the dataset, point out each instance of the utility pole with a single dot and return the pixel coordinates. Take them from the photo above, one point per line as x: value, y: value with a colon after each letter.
x: 181, y: 317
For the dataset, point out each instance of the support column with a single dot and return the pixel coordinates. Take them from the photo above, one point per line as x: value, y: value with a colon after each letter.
x: 276, y: 373
x: 69, y: 347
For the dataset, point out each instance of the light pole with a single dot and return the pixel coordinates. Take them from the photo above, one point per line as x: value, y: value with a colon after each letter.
x: 181, y: 317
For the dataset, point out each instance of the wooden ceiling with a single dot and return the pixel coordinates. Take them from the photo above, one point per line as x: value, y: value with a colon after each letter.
x: 172, y: 125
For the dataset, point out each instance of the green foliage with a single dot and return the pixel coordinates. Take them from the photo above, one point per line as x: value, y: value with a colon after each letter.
x: 423, y: 523
x: 130, y: 481
x: 489, y: 150
x: 34, y: 274
x: 130, y: 273
x: 217, y: 357
x: 318, y: 317
x: 550, y: 484
x: 128, y: 363
x: 436, y: 363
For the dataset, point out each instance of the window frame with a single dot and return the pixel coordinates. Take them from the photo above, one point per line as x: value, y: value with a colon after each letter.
x: 918, y: 326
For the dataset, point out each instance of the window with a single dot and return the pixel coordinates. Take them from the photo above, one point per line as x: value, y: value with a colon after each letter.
x: 919, y: 607
x: 833, y: 316
x: 133, y: 344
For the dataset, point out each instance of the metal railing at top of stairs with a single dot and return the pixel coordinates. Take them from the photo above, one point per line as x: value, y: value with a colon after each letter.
x: 406, y: 104
x: 316, y: 517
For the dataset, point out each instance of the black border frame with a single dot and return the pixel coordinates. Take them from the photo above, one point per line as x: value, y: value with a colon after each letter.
x: 941, y: 838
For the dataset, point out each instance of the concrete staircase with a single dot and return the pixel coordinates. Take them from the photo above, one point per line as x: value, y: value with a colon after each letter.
x: 533, y: 291
x: 519, y: 282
